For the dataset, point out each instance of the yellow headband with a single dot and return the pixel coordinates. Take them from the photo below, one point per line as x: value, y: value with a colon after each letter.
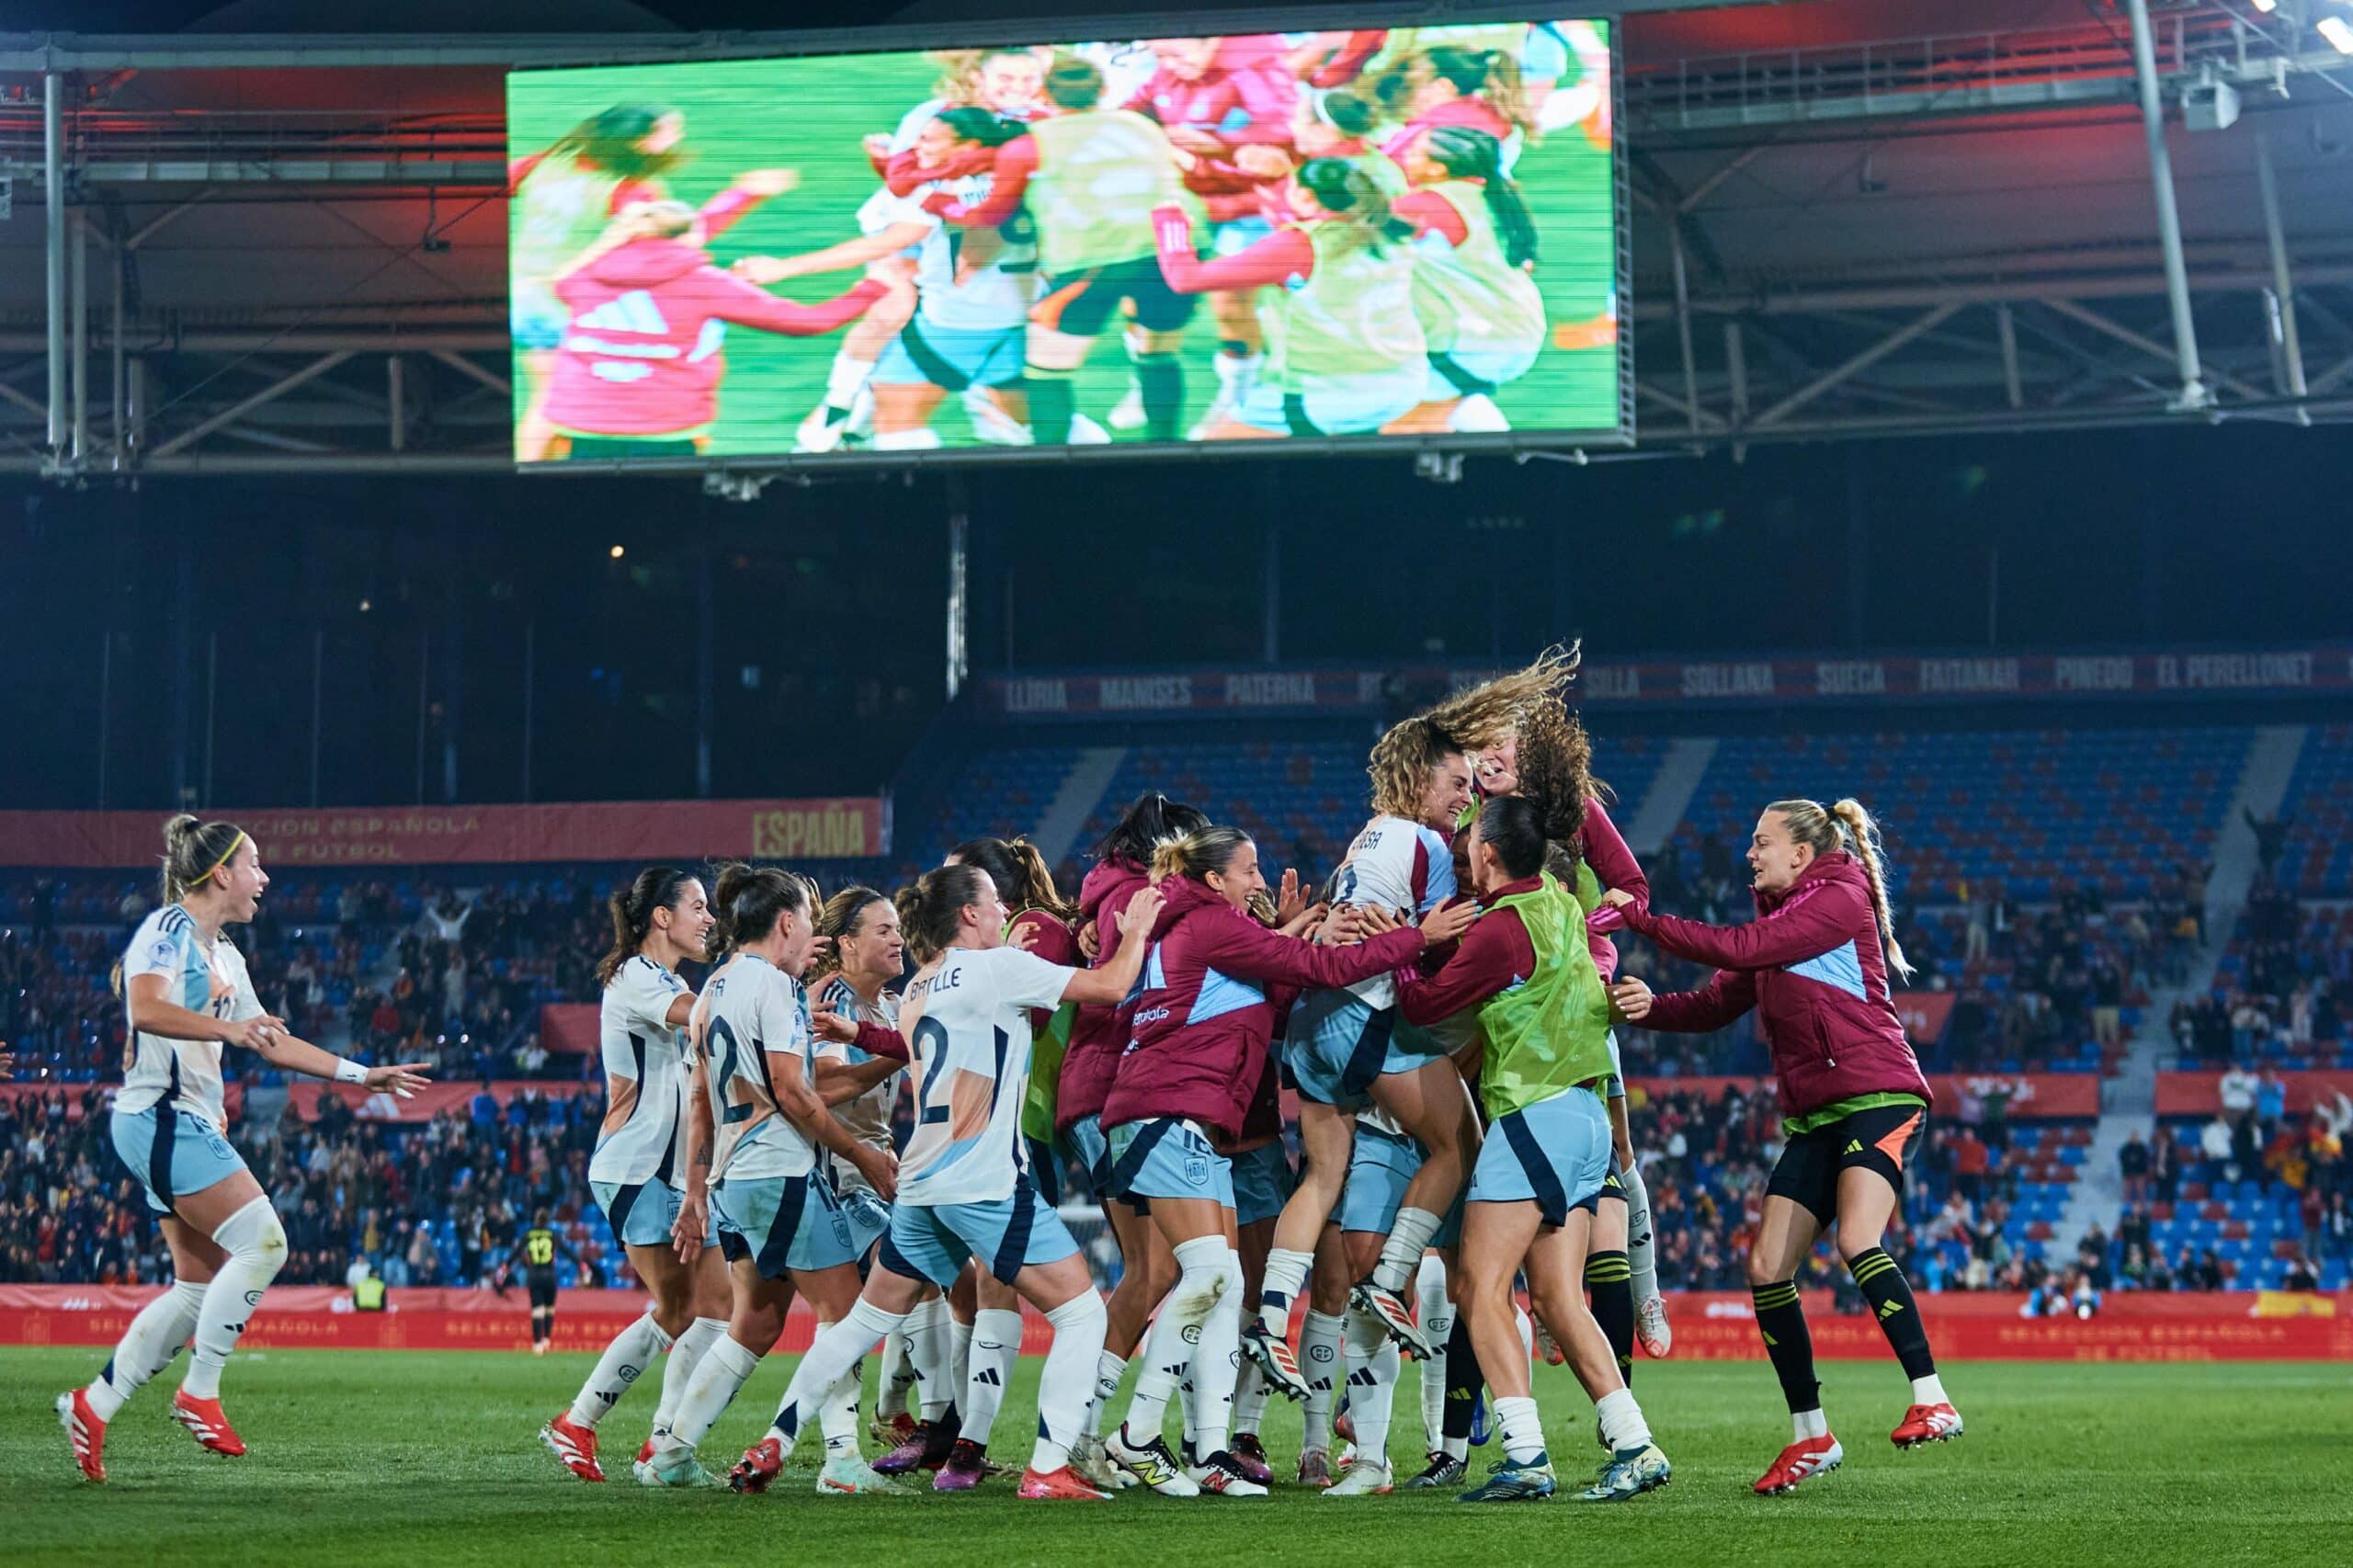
x: 234, y: 844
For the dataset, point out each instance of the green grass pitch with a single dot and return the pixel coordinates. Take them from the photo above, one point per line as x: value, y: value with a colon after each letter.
x: 432, y: 1459
x: 808, y: 115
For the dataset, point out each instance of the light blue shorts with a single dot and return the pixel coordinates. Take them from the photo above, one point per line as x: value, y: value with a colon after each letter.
x: 870, y: 1218
x: 1339, y: 1043
x: 172, y: 1153
x: 1483, y: 371
x: 642, y: 1212
x: 1262, y: 1183
x: 931, y: 1241
x: 1344, y: 406
x: 1380, y: 1167
x: 782, y: 1223
x: 1093, y: 1152
x: 1554, y: 1154
x: 949, y: 357
x: 1168, y: 1157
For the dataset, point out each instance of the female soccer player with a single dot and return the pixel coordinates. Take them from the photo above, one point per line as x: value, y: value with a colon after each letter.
x: 964, y: 334
x: 1217, y: 980
x: 1345, y: 353
x: 186, y: 994
x: 851, y: 980
x: 1544, y: 1016
x: 1479, y: 305
x: 1040, y: 927
x: 782, y: 1224
x: 1097, y: 1036
x: 1343, y: 1046
x: 965, y: 1189
x: 639, y: 1173
x: 538, y: 1249
x: 1815, y: 966
x: 560, y: 201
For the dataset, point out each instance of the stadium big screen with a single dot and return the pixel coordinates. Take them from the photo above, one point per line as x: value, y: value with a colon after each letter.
x: 1354, y: 235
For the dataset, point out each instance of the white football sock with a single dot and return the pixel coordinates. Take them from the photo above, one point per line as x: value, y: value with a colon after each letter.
x: 837, y: 1416
x: 845, y: 380
x: 686, y: 1355
x: 1372, y: 1385
x: 1642, y: 1248
x: 722, y: 1370
x: 922, y: 438
x: 1402, y: 1252
x: 996, y: 1340
x: 827, y: 1362
x: 932, y: 1354
x: 894, y: 1385
x: 147, y: 1346
x: 960, y: 1360
x: 1285, y: 1277
x: 1526, y: 1331
x: 1067, y: 1383
x: 633, y: 1350
x: 1169, y: 1350
x: 1929, y: 1390
x: 1319, y: 1357
x: 1622, y: 1426
x: 1523, y: 1432
x: 1805, y: 1424
x: 1218, y: 1361
x: 255, y: 1244
x: 1437, y: 1314
x: 1250, y: 1395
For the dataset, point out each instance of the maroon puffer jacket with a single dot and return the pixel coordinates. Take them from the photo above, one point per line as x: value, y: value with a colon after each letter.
x: 1812, y: 966
x: 1213, y: 983
x: 1098, y: 1033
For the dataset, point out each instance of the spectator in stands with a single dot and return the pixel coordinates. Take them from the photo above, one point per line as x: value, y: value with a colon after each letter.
x: 2133, y: 1161
x: 2214, y: 1145
x: 2238, y: 1087
x: 2270, y: 837
x: 2302, y: 1275
x: 2165, y: 1164
x: 2271, y: 1097
x: 2247, y: 1152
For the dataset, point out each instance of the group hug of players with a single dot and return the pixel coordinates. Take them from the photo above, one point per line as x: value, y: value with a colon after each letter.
x: 1345, y: 202
x: 1443, y: 1009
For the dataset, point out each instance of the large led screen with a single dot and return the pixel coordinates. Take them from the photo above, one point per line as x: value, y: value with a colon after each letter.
x: 1385, y: 232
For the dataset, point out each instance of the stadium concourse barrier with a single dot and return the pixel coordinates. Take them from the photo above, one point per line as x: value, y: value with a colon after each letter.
x: 2260, y: 1325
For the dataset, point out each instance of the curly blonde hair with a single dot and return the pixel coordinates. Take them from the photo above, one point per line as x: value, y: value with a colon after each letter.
x: 1472, y: 720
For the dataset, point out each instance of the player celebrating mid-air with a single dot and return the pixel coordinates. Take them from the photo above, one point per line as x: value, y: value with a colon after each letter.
x: 1815, y: 966
x: 639, y: 1170
x: 965, y: 1189
x: 1472, y: 285
x: 186, y: 994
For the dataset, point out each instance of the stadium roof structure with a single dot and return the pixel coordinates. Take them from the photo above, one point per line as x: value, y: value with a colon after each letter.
x: 285, y: 252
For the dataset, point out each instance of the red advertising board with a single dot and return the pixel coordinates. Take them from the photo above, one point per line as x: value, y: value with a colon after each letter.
x: 837, y: 829
x: 2201, y: 1093
x: 2224, y: 1326
x: 1695, y: 683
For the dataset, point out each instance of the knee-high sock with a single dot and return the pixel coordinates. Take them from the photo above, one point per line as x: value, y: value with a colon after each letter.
x: 1642, y: 1241
x: 996, y: 1340
x: 255, y: 1244
x: 1608, y: 1278
x: 1285, y: 1277
x: 633, y: 1350
x: 1319, y: 1359
x: 1066, y: 1385
x: 147, y: 1346
x: 1401, y: 1255
x: 1438, y: 1327
x: 931, y: 1351
x: 1160, y: 380
x: 1183, y: 1319
x: 1463, y: 1383
x: 1218, y: 1362
x: 828, y: 1361
x: 838, y: 1414
x: 1250, y: 1395
x: 1372, y: 1385
x: 959, y: 1359
x: 686, y: 1355
x: 894, y: 1385
x: 1882, y: 1281
x: 722, y: 1370
x: 1780, y: 1321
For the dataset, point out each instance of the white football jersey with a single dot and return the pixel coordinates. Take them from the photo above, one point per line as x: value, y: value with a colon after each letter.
x: 645, y: 1072
x: 971, y: 1042
x: 869, y: 1117
x: 203, y: 979
x: 749, y: 1012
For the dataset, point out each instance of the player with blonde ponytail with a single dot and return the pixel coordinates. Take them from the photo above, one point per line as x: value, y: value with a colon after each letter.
x: 1814, y: 965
